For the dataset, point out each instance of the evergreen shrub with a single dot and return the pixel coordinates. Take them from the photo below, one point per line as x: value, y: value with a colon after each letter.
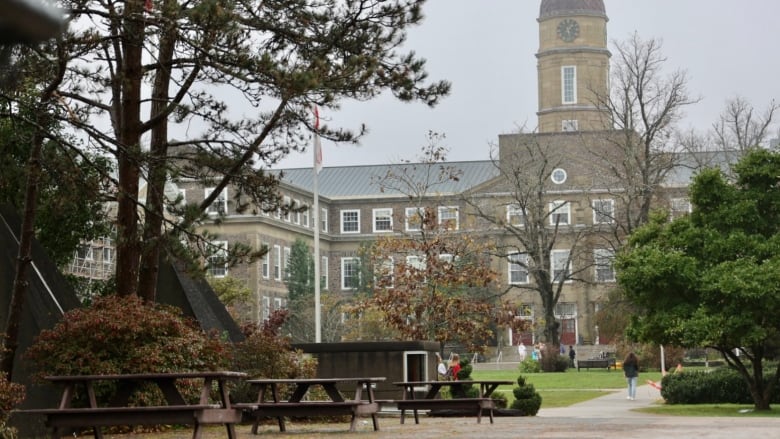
x: 527, y: 399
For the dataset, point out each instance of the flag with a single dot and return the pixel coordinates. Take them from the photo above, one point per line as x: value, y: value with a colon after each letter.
x: 317, y: 142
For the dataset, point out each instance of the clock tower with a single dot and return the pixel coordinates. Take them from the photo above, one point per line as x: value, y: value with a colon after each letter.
x: 573, y: 65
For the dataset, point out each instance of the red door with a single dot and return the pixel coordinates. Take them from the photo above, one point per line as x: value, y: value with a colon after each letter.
x: 568, y: 332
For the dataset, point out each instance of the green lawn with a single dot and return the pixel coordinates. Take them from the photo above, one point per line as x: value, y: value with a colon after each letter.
x: 720, y: 410
x: 565, y: 388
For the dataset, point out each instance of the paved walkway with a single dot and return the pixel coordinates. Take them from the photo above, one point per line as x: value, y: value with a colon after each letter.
x: 607, y: 417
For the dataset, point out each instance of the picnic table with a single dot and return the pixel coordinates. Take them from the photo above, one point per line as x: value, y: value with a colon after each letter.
x: 299, y: 405
x: 118, y: 412
x: 432, y: 401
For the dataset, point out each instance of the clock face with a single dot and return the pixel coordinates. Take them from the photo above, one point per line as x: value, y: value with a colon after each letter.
x: 568, y: 30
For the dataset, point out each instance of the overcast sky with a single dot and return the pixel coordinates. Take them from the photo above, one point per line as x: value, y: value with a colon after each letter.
x: 486, y: 49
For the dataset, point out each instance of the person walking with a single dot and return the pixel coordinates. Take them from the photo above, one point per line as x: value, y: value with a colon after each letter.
x: 572, y: 356
x: 631, y: 372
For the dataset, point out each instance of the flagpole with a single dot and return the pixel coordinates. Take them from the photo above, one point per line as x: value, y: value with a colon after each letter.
x: 316, y: 219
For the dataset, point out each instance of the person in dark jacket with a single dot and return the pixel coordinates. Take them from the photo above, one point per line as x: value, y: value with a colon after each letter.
x: 631, y: 371
x: 572, y: 356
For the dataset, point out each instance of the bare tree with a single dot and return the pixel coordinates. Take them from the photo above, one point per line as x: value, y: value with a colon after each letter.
x: 538, y: 235
x: 740, y: 128
x: 642, y: 108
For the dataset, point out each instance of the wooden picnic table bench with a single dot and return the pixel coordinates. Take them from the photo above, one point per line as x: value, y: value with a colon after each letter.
x: 432, y: 401
x: 298, y: 406
x: 118, y: 412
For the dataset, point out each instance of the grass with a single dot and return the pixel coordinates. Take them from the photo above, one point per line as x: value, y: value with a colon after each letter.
x: 717, y: 410
x: 565, y: 388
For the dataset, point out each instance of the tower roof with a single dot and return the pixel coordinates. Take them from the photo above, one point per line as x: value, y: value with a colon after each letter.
x: 554, y: 8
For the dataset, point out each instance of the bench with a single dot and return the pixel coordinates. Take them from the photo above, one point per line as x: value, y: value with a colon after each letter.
x: 306, y: 409
x: 298, y: 406
x: 477, y: 405
x: 596, y: 363
x: 118, y: 412
x: 150, y: 415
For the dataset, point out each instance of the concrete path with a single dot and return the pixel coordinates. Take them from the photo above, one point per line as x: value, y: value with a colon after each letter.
x: 609, y: 406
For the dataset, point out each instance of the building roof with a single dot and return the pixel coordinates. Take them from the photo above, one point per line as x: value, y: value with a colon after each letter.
x: 554, y: 8
x: 366, y: 181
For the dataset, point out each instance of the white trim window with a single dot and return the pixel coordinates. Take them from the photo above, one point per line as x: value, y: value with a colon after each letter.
x: 416, y: 262
x: 569, y: 84
x: 305, y: 216
x: 350, y: 273
x: 385, y: 275
x: 266, y: 307
x: 560, y: 265
x: 324, y: 272
x: 602, y: 261
x: 570, y: 125
x: 383, y: 220
x: 517, y: 268
x: 287, y: 204
x: 324, y: 220
x: 266, y: 269
x: 559, y: 213
x: 679, y: 207
x: 286, y: 262
x: 448, y: 217
x: 278, y: 303
x: 297, y: 214
x: 515, y: 215
x: 219, y: 205
x: 277, y: 255
x: 603, y: 211
x: 413, y: 217
x: 217, y: 260
x: 350, y: 221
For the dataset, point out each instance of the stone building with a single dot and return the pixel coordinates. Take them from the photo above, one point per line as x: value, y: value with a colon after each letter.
x: 579, y: 202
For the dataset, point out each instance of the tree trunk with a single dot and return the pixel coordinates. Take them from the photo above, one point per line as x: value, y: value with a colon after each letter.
x: 24, y: 258
x: 158, y: 171
x: 129, y: 154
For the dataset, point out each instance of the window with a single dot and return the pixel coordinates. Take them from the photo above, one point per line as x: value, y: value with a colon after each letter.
x: 515, y: 215
x: 680, y: 207
x: 570, y: 125
x: 569, y: 84
x: 278, y: 303
x: 324, y: 272
x: 217, y: 260
x: 559, y: 213
x: 305, y: 216
x: 384, y: 275
x: 277, y: 255
x: 603, y: 211
x: 286, y: 201
x: 350, y: 273
x: 265, y: 261
x: 84, y: 252
x: 602, y: 260
x: 324, y: 220
x: 286, y: 263
x: 560, y: 265
x: 415, y: 262
x: 565, y: 310
x: 383, y: 220
x: 219, y: 205
x: 266, y: 307
x: 108, y: 255
x: 297, y: 214
x: 350, y: 221
x: 558, y: 176
x: 448, y: 217
x: 518, y: 268
x: 414, y: 216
